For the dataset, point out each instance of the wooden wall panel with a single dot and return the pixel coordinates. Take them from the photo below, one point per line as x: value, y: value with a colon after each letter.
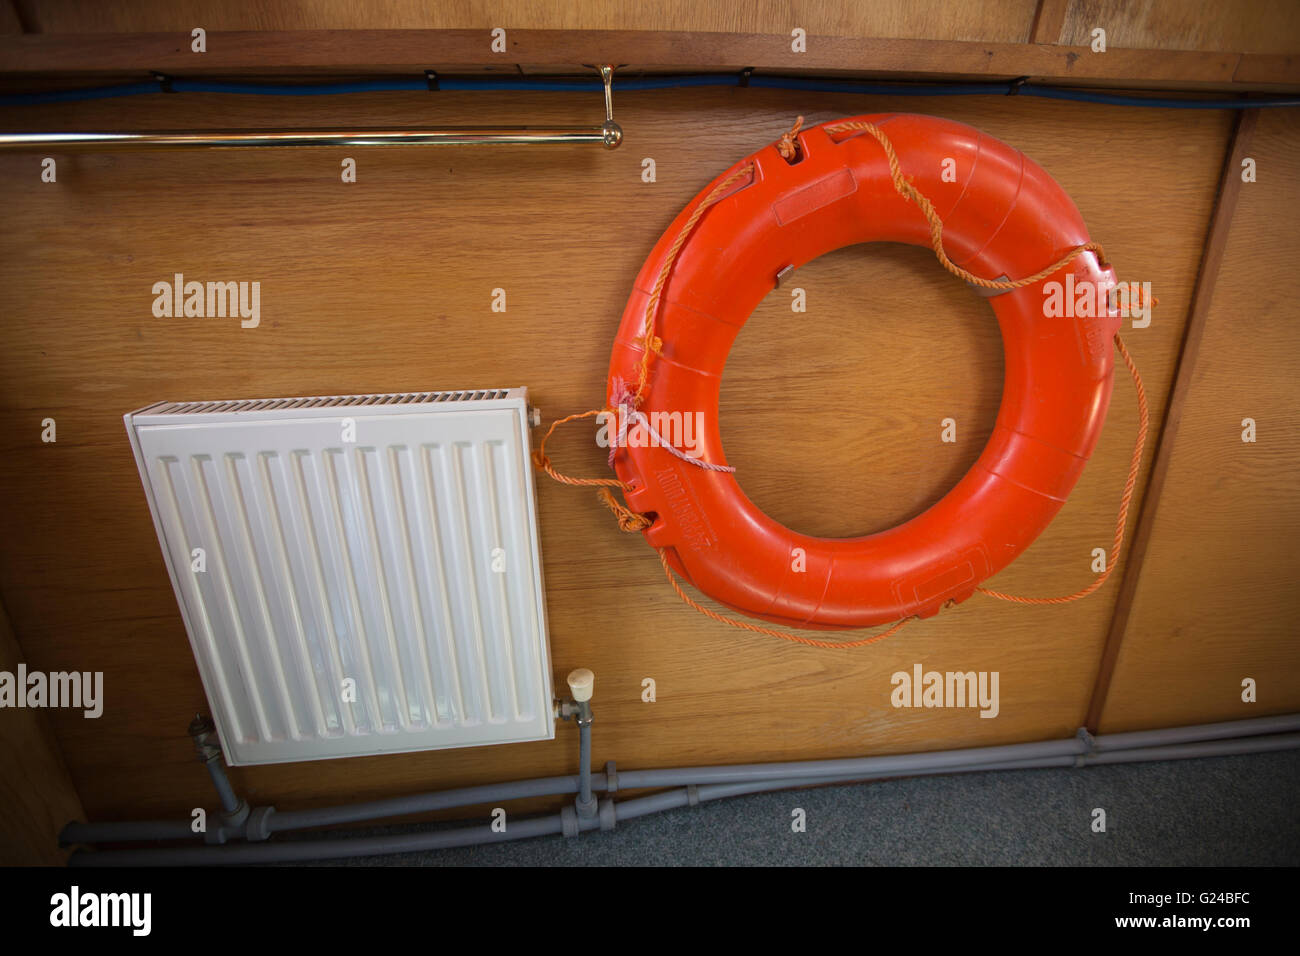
x: 994, y: 20
x: 36, y: 792
x: 1217, y: 599
x: 1247, y: 26
x: 30, y: 59
x: 832, y: 417
x: 9, y: 22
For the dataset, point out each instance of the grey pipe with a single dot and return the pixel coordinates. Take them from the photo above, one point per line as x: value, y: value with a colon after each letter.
x: 230, y: 802
x: 133, y: 831
x: 852, y: 768
x: 365, y: 846
x: 299, y: 851
x: 1280, y: 723
x: 670, y: 799
x: 625, y: 810
x: 330, y: 816
x: 425, y: 803
x: 586, y: 803
x: 860, y: 766
x: 719, y: 791
x: 1199, y: 748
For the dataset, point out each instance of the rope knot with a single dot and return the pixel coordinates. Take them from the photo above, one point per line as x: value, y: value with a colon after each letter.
x: 786, y: 145
x: 628, y: 520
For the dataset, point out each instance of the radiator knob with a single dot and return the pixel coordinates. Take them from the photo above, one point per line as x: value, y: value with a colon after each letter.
x: 580, y: 684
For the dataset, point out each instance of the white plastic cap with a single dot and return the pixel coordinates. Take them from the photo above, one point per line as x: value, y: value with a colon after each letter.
x: 581, y: 683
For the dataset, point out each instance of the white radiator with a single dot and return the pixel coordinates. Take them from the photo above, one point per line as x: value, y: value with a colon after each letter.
x: 358, y: 574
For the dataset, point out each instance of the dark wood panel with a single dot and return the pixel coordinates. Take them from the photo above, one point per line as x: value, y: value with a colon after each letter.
x: 920, y: 19
x: 35, y: 788
x: 306, y: 51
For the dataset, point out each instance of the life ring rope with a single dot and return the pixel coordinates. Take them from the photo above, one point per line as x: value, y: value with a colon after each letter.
x: 650, y: 343
x: 914, y: 195
x: 632, y: 521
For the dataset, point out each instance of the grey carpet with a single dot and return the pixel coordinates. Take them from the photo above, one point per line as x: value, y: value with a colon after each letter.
x: 1222, y: 811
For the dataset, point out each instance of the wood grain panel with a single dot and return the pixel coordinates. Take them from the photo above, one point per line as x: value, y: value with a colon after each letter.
x: 35, y: 789
x: 832, y: 416
x: 920, y: 19
x: 1166, y: 435
x: 1049, y: 17
x: 1248, y: 26
x: 1217, y: 598
x: 412, y: 51
x: 1256, y: 26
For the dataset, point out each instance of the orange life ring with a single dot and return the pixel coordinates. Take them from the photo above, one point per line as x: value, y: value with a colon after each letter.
x: 1003, y: 217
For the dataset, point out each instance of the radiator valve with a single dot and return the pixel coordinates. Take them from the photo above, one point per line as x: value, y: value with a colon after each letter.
x: 581, y: 684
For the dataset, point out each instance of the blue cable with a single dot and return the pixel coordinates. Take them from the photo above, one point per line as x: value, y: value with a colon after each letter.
x: 632, y: 84
x: 1120, y: 99
x: 275, y: 89
x: 674, y: 82
x: 86, y: 93
x: 878, y: 89
x: 1014, y: 88
x: 547, y: 85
